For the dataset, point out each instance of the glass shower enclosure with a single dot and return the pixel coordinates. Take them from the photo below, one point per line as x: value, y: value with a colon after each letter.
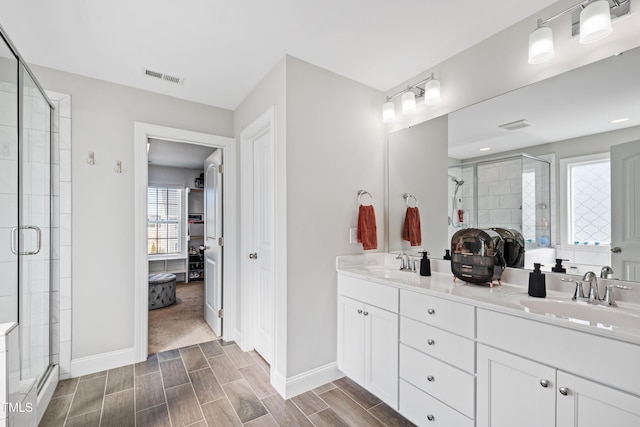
x: 511, y: 192
x: 25, y: 223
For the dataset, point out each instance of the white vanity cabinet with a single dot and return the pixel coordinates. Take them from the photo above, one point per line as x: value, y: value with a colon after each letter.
x: 514, y: 391
x: 437, y: 360
x: 368, y: 336
x: 534, y: 374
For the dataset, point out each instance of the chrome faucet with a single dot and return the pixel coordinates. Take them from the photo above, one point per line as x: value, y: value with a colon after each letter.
x: 404, y: 258
x: 590, y: 277
x: 593, y: 297
x: 406, y: 263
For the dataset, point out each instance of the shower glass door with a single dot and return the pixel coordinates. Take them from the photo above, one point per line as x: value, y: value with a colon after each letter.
x: 8, y: 184
x: 34, y: 231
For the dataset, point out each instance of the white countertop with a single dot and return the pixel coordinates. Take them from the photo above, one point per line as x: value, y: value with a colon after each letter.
x: 509, y: 298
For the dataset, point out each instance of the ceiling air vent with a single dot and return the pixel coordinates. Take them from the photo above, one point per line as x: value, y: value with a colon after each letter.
x: 518, y: 124
x: 162, y: 76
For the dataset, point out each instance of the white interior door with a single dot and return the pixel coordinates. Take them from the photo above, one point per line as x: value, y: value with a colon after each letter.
x: 262, y: 242
x: 625, y: 210
x: 213, y: 246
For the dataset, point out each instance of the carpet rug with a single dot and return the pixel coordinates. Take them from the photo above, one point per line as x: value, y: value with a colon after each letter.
x: 180, y: 324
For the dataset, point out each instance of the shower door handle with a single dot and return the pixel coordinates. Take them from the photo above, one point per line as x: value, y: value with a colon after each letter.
x: 38, y: 241
x: 14, y: 239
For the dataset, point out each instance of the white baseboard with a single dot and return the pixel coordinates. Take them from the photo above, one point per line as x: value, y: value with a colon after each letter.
x: 301, y: 383
x: 101, y: 362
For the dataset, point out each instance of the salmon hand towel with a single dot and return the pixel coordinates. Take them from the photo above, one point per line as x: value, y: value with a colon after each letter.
x: 411, y: 231
x: 367, y: 230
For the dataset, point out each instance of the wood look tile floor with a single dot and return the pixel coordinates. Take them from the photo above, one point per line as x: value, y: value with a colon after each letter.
x: 209, y: 384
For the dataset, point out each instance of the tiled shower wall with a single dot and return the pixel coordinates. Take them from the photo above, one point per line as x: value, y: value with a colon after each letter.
x: 61, y: 255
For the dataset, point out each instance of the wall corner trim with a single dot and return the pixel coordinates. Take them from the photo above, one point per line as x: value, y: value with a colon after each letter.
x: 301, y: 383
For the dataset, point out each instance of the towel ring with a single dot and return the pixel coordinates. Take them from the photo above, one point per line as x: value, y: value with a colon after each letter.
x: 408, y: 197
x: 364, y: 193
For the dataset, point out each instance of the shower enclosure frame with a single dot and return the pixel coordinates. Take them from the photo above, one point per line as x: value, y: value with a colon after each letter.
x: 25, y: 391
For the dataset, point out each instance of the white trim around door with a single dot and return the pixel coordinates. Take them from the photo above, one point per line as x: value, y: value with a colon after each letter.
x: 142, y: 132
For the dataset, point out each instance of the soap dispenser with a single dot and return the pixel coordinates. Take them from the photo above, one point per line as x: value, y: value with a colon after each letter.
x: 537, y: 286
x: 558, y: 267
x: 425, y: 264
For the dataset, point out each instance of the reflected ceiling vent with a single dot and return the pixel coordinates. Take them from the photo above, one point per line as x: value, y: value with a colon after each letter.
x: 518, y: 124
x: 162, y: 76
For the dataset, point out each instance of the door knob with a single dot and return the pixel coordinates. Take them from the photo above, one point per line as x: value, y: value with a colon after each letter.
x: 204, y: 248
x: 616, y: 250
x: 253, y: 256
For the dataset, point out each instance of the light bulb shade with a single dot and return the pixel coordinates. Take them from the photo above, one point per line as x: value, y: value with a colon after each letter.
x: 388, y: 112
x: 541, y: 45
x: 432, y: 92
x: 595, y: 22
x: 408, y: 102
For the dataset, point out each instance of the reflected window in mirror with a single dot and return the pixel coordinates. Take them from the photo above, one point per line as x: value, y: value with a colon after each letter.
x: 588, y: 192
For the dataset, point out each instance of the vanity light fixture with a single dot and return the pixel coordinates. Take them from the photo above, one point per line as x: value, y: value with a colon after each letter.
x: 408, y: 102
x: 594, y: 24
x: 430, y: 92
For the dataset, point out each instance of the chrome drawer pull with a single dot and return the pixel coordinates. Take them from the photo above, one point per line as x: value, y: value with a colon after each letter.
x: 430, y: 378
x: 359, y: 311
x: 430, y: 342
x: 563, y: 391
x: 431, y: 311
x: 431, y: 417
x: 544, y: 383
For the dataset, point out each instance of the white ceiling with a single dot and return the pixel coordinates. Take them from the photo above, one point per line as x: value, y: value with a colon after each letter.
x: 177, y: 154
x: 580, y: 102
x: 224, y: 48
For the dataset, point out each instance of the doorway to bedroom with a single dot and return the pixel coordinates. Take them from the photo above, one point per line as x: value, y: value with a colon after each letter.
x: 219, y: 195
x: 176, y: 241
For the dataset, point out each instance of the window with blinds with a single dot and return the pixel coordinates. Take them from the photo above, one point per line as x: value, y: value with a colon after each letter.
x: 164, y: 208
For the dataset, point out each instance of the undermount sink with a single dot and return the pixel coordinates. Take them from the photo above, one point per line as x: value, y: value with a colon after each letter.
x: 624, y: 316
x: 389, y: 272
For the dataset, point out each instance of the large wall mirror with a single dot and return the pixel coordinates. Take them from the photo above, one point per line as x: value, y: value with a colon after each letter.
x: 558, y: 161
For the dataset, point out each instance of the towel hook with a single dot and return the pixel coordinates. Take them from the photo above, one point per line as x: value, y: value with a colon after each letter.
x: 364, y: 193
x: 408, y: 197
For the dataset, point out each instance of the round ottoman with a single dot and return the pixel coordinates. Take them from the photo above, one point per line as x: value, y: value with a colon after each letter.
x: 162, y: 290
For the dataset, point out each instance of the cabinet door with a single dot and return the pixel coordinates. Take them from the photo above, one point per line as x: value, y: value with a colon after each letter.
x: 513, y: 391
x: 587, y: 404
x: 381, y: 354
x: 351, y: 338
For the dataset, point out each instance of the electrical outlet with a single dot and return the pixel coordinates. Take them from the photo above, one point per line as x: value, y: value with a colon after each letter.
x: 353, y: 235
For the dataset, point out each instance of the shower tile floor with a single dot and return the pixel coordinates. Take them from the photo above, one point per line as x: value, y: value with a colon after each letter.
x: 209, y: 384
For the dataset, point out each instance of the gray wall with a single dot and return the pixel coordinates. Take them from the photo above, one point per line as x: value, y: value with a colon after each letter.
x: 416, y: 166
x: 335, y: 147
x: 102, y: 201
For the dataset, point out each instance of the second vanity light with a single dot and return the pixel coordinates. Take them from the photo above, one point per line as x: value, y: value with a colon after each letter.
x: 430, y: 92
x: 594, y: 24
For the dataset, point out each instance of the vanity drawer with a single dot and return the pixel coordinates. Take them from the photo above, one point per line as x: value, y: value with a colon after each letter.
x: 382, y: 296
x: 422, y: 409
x: 441, y: 313
x: 450, y: 385
x: 453, y: 349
